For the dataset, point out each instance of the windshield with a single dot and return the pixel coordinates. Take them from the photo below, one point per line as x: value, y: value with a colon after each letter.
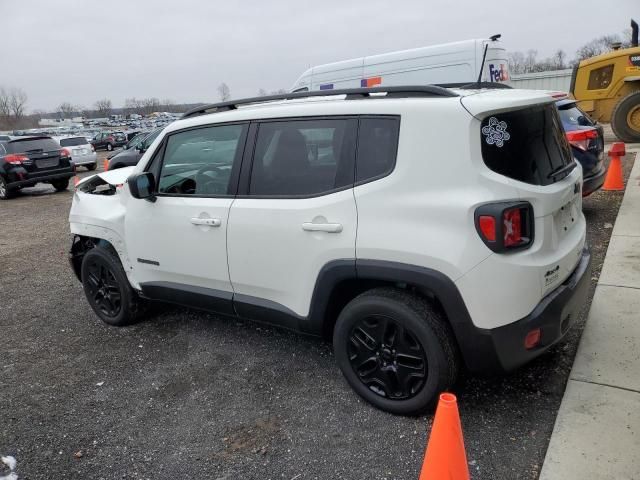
x: 528, y: 145
x: 73, y: 142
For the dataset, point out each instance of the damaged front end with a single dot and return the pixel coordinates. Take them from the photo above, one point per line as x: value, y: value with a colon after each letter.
x: 97, y: 216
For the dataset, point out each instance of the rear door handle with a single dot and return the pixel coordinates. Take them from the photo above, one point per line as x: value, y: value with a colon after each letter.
x: 322, y: 227
x: 209, y: 222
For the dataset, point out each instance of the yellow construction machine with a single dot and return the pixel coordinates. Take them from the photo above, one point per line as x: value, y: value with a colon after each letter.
x: 607, y: 86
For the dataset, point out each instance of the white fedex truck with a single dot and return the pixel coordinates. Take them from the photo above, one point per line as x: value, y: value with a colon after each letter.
x: 457, y: 63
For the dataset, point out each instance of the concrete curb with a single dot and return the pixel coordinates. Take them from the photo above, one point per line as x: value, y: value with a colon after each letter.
x: 597, y: 431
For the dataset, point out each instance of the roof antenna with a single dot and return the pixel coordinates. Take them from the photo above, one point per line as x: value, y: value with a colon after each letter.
x: 484, y: 55
x: 493, y: 38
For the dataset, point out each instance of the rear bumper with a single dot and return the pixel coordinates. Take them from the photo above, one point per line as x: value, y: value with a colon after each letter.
x: 85, y: 159
x: 502, y: 348
x: 593, y: 182
x: 30, y: 179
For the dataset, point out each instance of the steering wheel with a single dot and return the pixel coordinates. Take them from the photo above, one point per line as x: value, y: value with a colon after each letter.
x: 211, y: 185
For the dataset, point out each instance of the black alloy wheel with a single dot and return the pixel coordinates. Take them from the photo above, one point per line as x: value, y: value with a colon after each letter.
x: 103, y: 290
x: 387, y: 357
x: 396, y: 350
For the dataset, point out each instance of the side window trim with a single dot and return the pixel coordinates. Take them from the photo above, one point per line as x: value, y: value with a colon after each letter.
x: 235, y: 169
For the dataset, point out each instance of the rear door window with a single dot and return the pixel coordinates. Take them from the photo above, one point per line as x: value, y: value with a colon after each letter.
x: 377, y: 147
x: 303, y: 157
x: 528, y: 145
x: 36, y: 144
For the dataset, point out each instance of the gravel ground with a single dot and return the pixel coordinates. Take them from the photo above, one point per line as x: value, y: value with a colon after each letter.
x: 192, y: 395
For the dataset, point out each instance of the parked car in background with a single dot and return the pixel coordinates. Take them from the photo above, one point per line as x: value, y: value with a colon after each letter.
x: 131, y: 155
x: 586, y: 138
x: 26, y: 161
x: 81, y: 151
x: 109, y: 141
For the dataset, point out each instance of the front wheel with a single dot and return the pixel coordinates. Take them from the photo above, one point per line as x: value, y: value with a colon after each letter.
x: 109, y: 147
x: 107, y: 288
x: 60, y: 185
x: 395, y: 350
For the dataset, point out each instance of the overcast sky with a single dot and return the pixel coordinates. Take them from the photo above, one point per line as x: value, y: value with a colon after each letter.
x: 83, y: 50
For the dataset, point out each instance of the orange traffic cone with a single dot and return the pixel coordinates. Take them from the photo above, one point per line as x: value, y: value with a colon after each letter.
x: 445, y: 458
x: 614, y: 181
x: 105, y: 165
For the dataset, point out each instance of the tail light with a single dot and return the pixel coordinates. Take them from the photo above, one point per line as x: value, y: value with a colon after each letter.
x: 16, y: 159
x: 93, y: 149
x: 65, y: 152
x: 581, y: 138
x: 505, y: 227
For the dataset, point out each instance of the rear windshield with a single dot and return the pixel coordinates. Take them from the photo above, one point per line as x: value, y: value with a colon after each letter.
x: 36, y: 144
x: 572, y: 117
x: 72, y: 142
x: 527, y: 145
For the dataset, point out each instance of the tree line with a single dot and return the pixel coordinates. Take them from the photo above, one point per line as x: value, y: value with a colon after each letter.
x: 528, y: 62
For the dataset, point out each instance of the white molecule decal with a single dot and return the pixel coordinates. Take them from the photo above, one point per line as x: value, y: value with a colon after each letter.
x: 496, y: 132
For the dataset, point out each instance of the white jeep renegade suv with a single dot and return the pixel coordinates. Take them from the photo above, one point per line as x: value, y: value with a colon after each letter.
x: 421, y: 228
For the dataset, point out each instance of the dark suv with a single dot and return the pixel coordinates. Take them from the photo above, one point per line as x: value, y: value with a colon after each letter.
x: 30, y: 160
x: 134, y: 151
x: 586, y: 138
x: 109, y: 140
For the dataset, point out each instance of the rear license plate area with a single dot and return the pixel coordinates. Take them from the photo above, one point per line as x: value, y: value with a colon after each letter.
x: 47, y: 163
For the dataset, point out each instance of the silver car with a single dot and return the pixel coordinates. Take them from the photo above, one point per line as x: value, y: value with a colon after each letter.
x: 81, y: 151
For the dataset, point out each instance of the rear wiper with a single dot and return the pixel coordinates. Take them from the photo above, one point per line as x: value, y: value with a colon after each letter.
x: 560, y: 170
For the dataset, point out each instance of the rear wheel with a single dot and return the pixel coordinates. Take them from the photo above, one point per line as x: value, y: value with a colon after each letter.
x: 395, y: 350
x: 5, y: 192
x: 109, y: 147
x: 625, y: 119
x: 107, y: 288
x: 60, y: 185
x: 92, y: 166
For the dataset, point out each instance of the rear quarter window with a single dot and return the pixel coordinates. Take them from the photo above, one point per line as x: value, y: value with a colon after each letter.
x: 600, y: 78
x: 527, y: 145
x: 377, y: 147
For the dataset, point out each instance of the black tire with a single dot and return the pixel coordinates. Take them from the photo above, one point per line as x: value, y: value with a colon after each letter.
x: 5, y: 192
x: 627, y: 106
x: 92, y: 166
x: 107, y: 288
x: 60, y: 185
x: 109, y: 147
x: 420, y: 332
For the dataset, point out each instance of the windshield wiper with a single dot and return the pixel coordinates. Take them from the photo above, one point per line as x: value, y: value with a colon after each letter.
x: 563, y: 169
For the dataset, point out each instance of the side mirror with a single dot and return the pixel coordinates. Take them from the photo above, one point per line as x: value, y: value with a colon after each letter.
x: 143, y: 185
x: 141, y: 148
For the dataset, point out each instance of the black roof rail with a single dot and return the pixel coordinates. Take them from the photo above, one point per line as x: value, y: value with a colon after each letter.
x: 475, y: 85
x: 350, y: 93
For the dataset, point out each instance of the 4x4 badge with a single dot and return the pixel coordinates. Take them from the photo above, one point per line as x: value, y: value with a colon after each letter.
x: 496, y: 132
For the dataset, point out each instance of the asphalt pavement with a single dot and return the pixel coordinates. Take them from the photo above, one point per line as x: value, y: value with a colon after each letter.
x: 193, y: 395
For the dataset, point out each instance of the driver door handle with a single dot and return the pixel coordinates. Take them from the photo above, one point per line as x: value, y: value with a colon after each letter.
x: 209, y: 222
x: 322, y: 227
